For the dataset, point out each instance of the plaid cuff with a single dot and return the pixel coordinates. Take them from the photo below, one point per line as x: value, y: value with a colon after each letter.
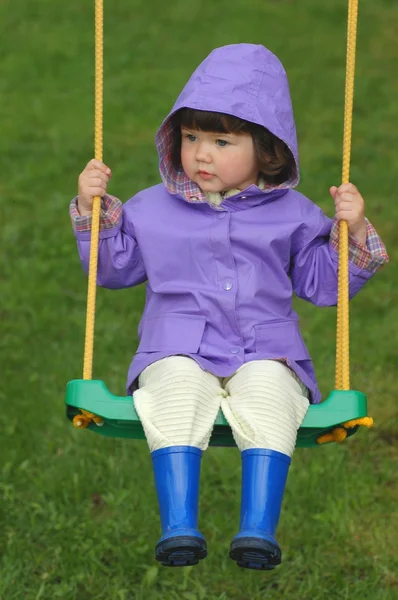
x: 370, y: 257
x: 111, y: 211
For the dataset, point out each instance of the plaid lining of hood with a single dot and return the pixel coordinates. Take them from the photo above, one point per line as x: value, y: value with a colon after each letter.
x: 177, y: 182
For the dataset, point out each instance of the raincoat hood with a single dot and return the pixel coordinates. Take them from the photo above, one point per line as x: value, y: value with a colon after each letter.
x: 244, y: 80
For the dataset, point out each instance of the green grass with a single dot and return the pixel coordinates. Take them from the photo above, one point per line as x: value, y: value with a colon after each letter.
x: 78, y: 513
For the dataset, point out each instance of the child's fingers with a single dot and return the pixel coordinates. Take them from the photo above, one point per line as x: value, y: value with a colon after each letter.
x: 344, y: 205
x: 97, y: 164
x: 97, y: 174
x: 97, y: 182
x: 343, y: 188
x: 347, y: 187
x: 342, y: 212
x: 333, y: 191
x: 346, y: 198
x: 96, y: 191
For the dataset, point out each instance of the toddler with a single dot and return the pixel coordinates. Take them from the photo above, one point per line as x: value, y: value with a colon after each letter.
x: 222, y: 244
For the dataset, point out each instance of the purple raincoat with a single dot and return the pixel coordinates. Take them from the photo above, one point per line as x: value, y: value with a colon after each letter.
x: 220, y: 279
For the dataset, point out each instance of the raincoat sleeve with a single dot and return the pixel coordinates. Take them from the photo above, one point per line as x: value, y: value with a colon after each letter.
x: 314, y: 263
x: 120, y: 263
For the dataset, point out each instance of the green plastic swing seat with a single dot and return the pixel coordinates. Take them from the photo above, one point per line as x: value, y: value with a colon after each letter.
x: 121, y: 420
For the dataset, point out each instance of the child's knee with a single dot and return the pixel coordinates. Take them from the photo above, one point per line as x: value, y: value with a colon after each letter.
x: 177, y: 373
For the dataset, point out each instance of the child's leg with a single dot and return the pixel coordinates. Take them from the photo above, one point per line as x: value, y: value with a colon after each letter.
x: 265, y: 406
x: 178, y: 403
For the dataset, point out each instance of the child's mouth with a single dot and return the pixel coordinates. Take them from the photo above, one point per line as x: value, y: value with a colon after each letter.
x: 205, y: 175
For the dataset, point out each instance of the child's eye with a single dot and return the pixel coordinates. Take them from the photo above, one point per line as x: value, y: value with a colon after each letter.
x: 221, y: 143
x: 190, y: 137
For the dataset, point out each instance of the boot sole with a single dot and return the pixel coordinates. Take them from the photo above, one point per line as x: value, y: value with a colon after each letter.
x: 181, y: 551
x: 255, y: 553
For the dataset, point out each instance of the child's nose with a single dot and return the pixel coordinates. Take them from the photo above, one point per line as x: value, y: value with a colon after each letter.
x: 203, y: 153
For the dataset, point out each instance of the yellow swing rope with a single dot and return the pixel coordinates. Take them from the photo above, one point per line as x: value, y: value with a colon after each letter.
x: 342, y: 342
x: 98, y: 153
x: 83, y: 420
x: 342, y: 381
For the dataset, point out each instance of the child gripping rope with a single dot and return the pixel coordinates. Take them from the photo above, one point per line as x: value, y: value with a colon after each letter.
x: 223, y: 243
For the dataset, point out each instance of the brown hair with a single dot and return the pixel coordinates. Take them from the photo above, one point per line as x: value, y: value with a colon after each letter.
x: 275, y: 160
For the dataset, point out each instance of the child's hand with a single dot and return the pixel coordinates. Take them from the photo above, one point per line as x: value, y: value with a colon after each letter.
x: 92, y: 182
x: 350, y: 207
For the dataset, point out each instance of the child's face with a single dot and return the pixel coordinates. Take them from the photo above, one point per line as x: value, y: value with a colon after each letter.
x: 218, y: 162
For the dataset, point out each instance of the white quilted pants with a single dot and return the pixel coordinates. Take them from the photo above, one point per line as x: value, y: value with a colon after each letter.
x: 264, y: 403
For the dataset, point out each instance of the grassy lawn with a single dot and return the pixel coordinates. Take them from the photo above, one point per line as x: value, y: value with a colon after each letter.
x: 78, y: 513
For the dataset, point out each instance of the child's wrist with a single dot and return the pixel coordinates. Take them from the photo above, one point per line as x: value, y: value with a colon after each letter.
x: 83, y: 210
x: 360, y: 233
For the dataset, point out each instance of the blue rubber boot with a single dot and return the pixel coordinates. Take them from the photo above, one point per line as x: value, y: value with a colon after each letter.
x: 177, y: 472
x: 264, y: 474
